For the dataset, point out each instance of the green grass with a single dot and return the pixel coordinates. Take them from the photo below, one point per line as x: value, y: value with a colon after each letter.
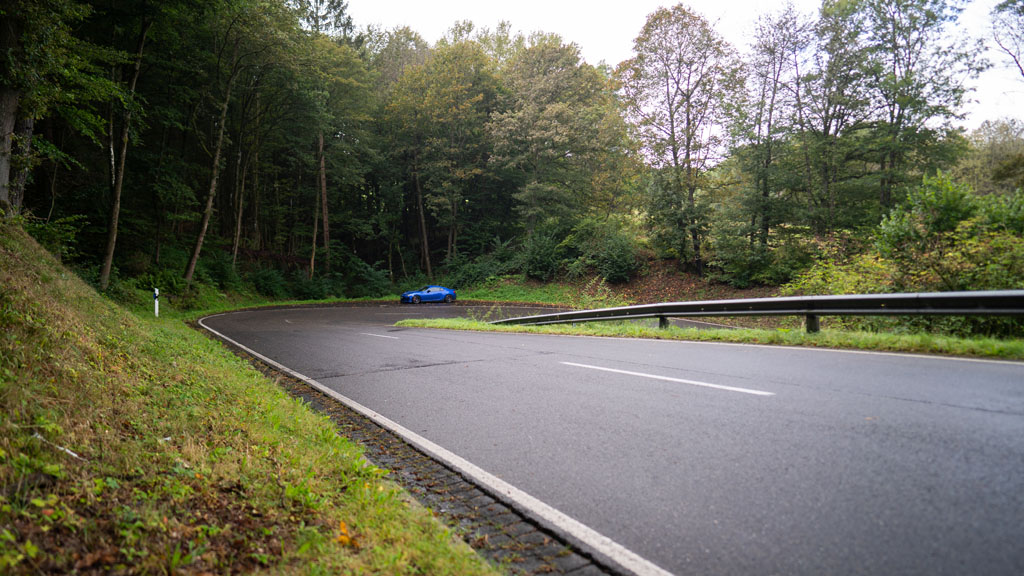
x: 186, y: 459
x: 917, y: 343
x: 516, y: 289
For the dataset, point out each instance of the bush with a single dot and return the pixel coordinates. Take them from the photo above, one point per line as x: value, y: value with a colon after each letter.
x: 269, y: 282
x: 541, y: 256
x: 218, y: 269
x: 168, y: 281
x: 358, y: 279
x: 942, y: 238
x: 303, y: 287
x: 461, y: 272
x: 59, y: 236
x: 604, y: 247
x: 616, y: 259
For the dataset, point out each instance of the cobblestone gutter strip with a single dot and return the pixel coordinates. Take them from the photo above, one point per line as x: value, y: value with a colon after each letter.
x: 495, y: 530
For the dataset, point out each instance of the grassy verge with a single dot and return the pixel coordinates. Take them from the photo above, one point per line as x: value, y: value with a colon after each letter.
x: 135, y: 445
x: 517, y: 290
x: 917, y: 343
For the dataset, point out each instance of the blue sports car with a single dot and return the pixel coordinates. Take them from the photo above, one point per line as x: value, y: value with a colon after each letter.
x: 429, y: 294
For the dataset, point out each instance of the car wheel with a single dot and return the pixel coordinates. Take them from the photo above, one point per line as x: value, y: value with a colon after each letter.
x: 447, y: 298
x: 415, y: 299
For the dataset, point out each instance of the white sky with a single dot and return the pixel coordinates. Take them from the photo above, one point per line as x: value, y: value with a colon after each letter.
x: 605, y: 31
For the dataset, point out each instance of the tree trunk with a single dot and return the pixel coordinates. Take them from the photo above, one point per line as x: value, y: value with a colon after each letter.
x: 312, y: 252
x: 23, y: 128
x: 451, y: 229
x: 208, y: 210
x: 698, y: 261
x: 8, y: 112
x: 423, y: 224
x: 240, y: 186
x: 115, y: 208
x: 257, y: 235
x: 255, y: 238
x: 766, y: 198
x: 10, y: 38
x: 323, y: 201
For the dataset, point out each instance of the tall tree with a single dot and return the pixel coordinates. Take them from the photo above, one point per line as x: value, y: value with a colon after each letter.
x: 550, y: 128
x: 994, y: 148
x: 409, y: 126
x: 675, y: 89
x: 832, y: 104
x: 328, y: 20
x: 328, y: 17
x: 771, y: 79
x: 1008, y: 31
x: 392, y: 53
x: 242, y: 30
x: 119, y: 144
x: 460, y: 97
x: 43, y: 63
x: 919, y: 79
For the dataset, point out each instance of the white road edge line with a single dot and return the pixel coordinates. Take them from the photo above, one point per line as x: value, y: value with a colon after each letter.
x: 374, y: 335
x: 668, y: 379
x: 604, y: 545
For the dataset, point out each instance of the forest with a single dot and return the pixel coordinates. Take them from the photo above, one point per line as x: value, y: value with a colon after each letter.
x: 277, y: 145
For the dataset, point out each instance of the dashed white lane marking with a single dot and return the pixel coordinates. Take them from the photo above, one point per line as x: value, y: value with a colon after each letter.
x: 378, y: 335
x: 603, y: 545
x: 669, y: 379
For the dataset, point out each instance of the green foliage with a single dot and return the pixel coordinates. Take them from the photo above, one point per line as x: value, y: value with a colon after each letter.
x: 269, y: 282
x: 741, y: 263
x: 942, y: 238
x: 541, y: 255
x: 430, y: 152
x: 602, y: 245
x: 930, y: 213
x: 461, y: 271
x: 595, y: 294
x: 359, y: 279
x: 167, y: 280
x: 302, y: 287
x: 516, y: 288
x: 58, y: 236
x: 218, y: 268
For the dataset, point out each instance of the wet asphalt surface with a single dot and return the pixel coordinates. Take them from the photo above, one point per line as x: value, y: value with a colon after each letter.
x: 731, y: 460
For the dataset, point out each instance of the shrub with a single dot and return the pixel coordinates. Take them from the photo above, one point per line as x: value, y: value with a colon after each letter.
x: 218, y: 269
x: 942, y: 238
x: 601, y: 245
x: 269, y: 282
x: 541, y: 256
x: 169, y: 282
x: 59, y: 236
x: 462, y: 272
x: 358, y: 279
x: 305, y: 288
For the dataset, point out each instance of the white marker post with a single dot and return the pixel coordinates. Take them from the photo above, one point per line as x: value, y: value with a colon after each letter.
x: 156, y: 302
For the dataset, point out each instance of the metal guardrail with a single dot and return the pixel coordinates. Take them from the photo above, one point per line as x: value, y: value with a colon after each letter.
x: 987, y: 303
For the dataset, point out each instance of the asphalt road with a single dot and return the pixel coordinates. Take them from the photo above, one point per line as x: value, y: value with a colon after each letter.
x: 729, y: 460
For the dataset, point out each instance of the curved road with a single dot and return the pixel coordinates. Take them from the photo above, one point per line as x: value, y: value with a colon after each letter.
x: 700, y: 458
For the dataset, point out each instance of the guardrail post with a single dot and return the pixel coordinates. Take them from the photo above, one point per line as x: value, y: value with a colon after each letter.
x: 662, y: 322
x: 812, y: 324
